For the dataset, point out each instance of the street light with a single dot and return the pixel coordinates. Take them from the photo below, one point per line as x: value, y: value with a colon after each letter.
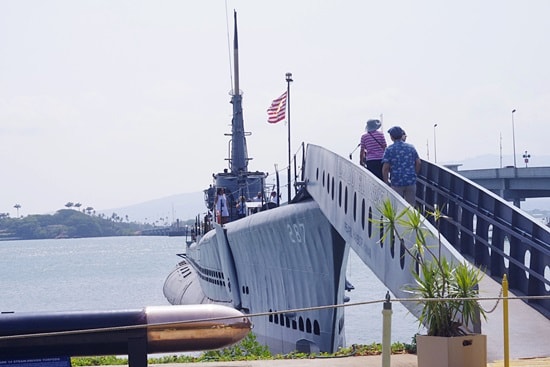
x: 435, y: 149
x: 514, y: 137
x: 526, y: 157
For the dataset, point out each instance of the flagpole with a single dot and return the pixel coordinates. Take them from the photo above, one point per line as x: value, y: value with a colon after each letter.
x: 288, y: 81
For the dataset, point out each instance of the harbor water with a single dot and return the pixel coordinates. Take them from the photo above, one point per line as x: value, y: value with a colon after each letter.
x: 113, y: 273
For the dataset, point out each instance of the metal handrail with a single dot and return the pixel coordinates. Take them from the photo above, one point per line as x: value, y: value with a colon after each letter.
x: 490, y: 232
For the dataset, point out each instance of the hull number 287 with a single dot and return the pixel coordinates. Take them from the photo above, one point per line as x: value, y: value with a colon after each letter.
x: 296, y: 232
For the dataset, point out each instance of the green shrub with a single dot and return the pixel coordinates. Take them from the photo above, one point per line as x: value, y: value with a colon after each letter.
x: 246, y: 349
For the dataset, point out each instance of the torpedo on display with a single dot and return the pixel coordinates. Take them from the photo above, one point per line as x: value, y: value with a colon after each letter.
x: 157, y: 329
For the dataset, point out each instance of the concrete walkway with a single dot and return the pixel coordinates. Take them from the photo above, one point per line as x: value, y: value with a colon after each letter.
x: 397, y: 360
x: 527, y: 362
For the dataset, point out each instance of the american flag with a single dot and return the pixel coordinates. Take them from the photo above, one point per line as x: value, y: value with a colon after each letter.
x: 276, y: 112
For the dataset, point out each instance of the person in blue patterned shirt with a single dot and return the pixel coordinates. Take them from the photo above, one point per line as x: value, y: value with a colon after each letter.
x: 400, y: 165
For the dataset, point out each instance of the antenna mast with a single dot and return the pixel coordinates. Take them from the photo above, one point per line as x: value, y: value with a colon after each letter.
x: 239, y: 155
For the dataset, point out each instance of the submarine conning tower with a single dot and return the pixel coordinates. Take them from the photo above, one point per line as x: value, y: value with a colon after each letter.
x: 237, y: 180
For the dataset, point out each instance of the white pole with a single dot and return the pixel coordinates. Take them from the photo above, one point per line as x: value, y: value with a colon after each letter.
x: 500, y: 150
x: 514, y: 137
x: 435, y: 147
x: 386, y: 332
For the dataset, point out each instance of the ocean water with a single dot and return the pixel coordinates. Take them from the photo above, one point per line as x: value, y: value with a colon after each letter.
x: 115, y: 273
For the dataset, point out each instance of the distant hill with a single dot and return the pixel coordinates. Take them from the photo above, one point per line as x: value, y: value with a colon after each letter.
x: 187, y: 206
x: 66, y: 223
x: 170, y: 208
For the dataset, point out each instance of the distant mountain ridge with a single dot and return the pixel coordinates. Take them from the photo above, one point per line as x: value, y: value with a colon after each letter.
x: 167, y: 209
x: 186, y: 206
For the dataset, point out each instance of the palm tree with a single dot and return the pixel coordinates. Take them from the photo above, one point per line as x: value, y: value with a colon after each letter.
x: 17, y: 206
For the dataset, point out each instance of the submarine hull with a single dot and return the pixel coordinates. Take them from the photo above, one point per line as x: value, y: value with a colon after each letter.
x: 281, y: 259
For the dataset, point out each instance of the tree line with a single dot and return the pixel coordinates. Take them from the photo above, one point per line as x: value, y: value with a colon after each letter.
x: 66, y: 223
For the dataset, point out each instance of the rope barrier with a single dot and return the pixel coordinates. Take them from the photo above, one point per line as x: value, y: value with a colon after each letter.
x: 496, y: 303
x: 259, y: 314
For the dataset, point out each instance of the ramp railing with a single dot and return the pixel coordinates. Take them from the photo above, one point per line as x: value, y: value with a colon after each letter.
x: 490, y: 232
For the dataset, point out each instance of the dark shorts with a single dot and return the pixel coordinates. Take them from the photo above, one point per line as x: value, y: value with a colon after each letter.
x: 375, y: 166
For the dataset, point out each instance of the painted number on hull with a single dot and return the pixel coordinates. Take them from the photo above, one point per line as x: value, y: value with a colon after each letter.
x: 296, y: 232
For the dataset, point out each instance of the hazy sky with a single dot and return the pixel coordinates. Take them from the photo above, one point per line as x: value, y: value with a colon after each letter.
x: 113, y: 103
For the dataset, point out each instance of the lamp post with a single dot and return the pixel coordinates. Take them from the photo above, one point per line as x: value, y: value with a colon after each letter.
x: 435, y: 149
x: 514, y: 137
x: 500, y: 150
x: 526, y: 157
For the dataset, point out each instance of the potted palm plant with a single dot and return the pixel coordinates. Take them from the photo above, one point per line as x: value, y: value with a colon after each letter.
x: 448, y: 291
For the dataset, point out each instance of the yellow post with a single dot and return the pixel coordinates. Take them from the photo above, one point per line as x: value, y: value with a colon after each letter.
x: 505, y: 320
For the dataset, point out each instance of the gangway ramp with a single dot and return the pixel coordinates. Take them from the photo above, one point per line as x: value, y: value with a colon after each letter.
x: 350, y: 197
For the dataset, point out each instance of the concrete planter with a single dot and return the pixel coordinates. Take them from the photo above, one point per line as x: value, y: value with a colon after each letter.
x: 459, y: 351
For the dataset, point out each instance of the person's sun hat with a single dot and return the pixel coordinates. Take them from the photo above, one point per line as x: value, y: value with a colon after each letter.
x: 373, y: 125
x: 396, y: 132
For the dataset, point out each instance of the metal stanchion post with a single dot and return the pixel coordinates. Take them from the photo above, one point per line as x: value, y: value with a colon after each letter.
x: 386, y: 332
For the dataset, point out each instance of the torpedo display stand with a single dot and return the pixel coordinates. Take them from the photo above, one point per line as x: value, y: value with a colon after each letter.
x: 137, y: 357
x: 137, y: 351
